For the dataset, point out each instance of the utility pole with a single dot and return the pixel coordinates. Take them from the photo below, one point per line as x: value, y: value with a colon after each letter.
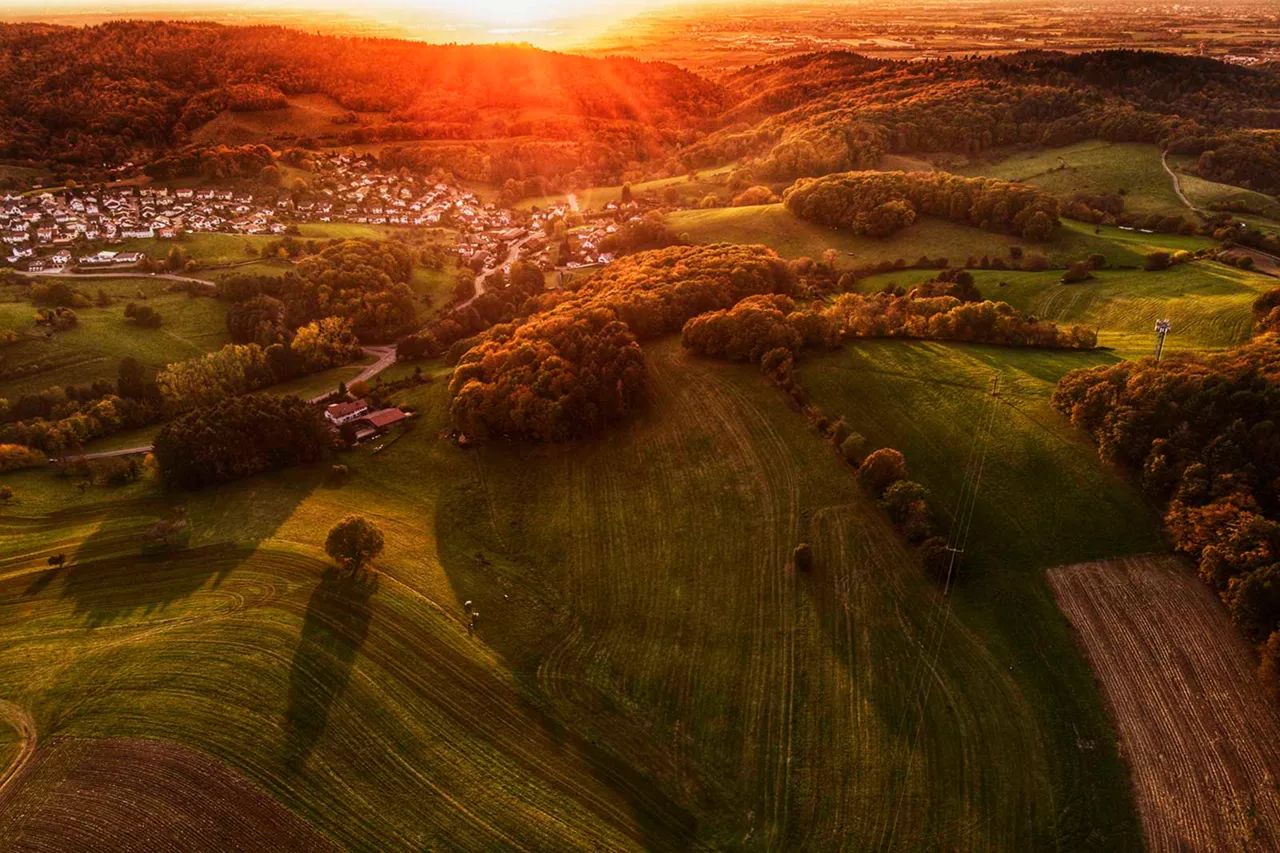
x: 1162, y: 329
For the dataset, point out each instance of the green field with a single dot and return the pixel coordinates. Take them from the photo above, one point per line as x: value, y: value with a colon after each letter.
x: 305, y: 115
x: 1208, y: 303
x: 775, y: 227
x: 1095, y: 167
x: 712, y: 181
x: 93, y: 350
x: 213, y: 249
x: 1206, y: 194
x: 642, y: 676
x: 1043, y: 501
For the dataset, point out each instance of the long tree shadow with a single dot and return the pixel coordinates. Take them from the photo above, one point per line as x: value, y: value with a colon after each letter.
x: 122, y: 572
x: 334, y: 628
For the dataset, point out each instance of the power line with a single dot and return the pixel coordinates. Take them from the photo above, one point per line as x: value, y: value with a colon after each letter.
x: 957, y: 541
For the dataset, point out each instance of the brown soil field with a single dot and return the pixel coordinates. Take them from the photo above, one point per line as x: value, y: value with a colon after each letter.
x: 1201, y: 740
x: 142, y: 796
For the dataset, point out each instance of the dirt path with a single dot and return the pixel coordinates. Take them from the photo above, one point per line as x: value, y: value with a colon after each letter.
x: 1177, y: 184
x: 26, y: 728
x: 166, y: 276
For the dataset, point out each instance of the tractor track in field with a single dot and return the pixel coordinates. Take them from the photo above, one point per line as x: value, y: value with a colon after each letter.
x: 25, y: 726
x: 1193, y: 723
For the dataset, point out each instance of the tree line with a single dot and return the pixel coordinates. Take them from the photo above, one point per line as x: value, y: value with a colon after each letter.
x: 878, y: 204
x: 574, y: 365
x: 948, y: 307
x: 1200, y: 433
x: 831, y: 112
x: 238, y: 437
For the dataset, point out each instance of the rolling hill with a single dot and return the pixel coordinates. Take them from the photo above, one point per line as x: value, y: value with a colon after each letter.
x: 640, y: 677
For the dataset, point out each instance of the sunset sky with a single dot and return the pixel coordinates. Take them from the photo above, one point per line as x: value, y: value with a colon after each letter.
x: 443, y: 20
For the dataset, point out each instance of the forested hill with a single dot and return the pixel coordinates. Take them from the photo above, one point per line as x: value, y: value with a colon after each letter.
x: 830, y: 112
x: 108, y: 93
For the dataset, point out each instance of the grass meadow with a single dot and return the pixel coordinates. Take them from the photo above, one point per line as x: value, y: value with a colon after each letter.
x: 649, y: 670
x: 1208, y: 303
x: 1096, y: 167
x: 103, y: 336
x: 772, y: 225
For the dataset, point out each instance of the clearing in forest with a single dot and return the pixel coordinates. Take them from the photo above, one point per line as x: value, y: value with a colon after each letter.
x: 1197, y: 731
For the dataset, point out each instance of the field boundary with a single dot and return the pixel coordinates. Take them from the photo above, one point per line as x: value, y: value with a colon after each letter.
x: 1198, y: 733
x: 26, y: 728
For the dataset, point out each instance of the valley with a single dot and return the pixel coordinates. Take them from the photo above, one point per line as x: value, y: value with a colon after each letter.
x: 740, y: 443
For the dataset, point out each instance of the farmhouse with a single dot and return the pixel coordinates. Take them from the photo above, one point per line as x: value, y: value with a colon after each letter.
x: 376, y: 423
x: 341, y: 413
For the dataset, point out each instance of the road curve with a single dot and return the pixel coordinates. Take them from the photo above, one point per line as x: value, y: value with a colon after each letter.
x: 513, y: 255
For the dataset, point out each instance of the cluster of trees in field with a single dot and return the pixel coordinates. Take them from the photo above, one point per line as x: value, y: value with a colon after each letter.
x: 62, y: 419
x: 575, y: 365
x: 559, y: 375
x: 879, y: 204
x: 831, y: 112
x: 217, y: 162
x: 362, y: 281
x: 240, y: 368
x: 89, y: 95
x: 648, y: 232
x: 949, y: 307
x: 1201, y: 433
x: 238, y: 437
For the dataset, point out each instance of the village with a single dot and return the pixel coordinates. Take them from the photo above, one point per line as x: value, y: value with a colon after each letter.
x: 81, y: 229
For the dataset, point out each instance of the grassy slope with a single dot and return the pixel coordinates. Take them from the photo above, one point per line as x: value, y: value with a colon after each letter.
x: 306, y: 115
x: 639, y: 669
x: 1208, y: 303
x: 773, y: 226
x: 1093, y: 167
x: 1044, y: 501
x: 595, y: 198
x: 103, y: 336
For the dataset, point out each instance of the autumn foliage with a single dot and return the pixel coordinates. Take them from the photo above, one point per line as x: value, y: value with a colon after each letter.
x: 879, y: 204
x: 1200, y: 431
x: 575, y: 365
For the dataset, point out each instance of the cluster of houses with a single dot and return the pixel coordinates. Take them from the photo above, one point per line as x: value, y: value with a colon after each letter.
x: 41, y: 230
x: 49, y: 231
x: 47, y: 224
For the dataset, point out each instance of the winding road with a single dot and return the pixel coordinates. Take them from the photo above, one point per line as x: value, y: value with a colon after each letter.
x: 513, y: 255
x: 1177, y: 184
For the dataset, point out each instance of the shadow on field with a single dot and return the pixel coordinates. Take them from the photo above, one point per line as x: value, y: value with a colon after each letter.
x: 334, y: 628
x: 523, y: 628
x: 122, y: 572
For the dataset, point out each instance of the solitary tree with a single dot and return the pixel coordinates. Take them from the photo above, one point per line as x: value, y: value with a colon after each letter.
x: 353, y: 541
x: 6, y: 494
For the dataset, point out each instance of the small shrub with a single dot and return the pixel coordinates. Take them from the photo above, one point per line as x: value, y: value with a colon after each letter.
x: 851, y: 448
x: 803, y: 557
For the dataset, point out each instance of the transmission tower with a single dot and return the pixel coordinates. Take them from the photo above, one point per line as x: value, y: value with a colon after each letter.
x: 1162, y: 329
